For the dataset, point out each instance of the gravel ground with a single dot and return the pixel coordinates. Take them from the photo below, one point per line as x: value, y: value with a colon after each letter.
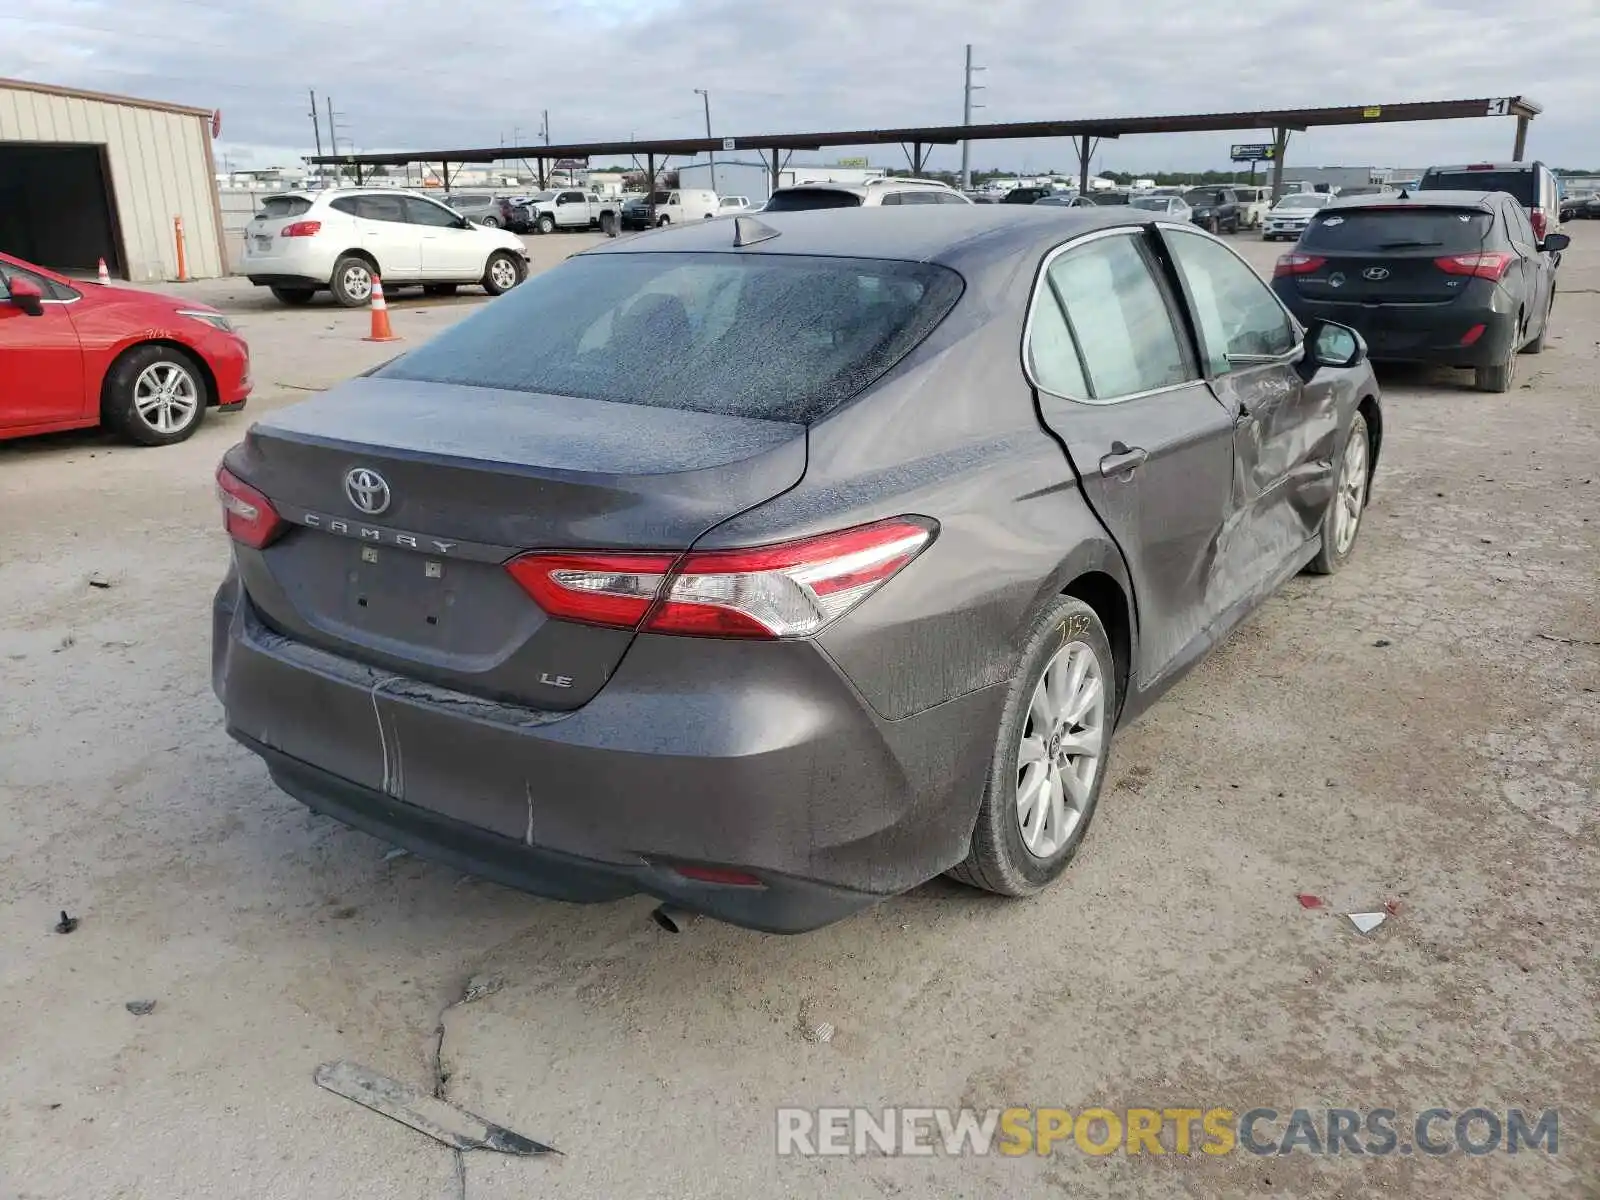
x: 1421, y: 729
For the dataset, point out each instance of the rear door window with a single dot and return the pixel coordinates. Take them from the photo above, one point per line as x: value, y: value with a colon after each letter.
x: 1121, y: 318
x: 1521, y: 184
x: 1449, y: 230
x: 779, y: 337
x: 277, y: 208
x: 380, y: 208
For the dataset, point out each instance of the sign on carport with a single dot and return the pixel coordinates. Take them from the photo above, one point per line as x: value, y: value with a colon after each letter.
x: 572, y: 164
x: 1260, y: 152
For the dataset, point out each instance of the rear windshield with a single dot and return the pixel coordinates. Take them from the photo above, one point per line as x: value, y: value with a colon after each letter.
x: 1519, y: 183
x: 803, y: 198
x: 1449, y: 229
x: 1303, y: 200
x: 778, y: 337
x: 278, y: 207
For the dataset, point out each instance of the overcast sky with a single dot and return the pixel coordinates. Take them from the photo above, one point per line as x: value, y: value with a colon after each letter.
x: 406, y: 74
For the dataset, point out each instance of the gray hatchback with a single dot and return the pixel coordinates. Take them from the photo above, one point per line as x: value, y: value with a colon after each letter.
x: 773, y: 566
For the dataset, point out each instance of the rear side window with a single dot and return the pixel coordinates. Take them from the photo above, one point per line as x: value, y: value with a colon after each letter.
x: 1121, y: 318
x: 380, y: 208
x: 1523, y: 185
x: 1451, y: 229
x: 279, y: 207
x: 777, y: 337
x: 803, y: 199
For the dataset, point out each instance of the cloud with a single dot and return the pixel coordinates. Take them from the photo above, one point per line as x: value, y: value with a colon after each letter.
x: 406, y: 75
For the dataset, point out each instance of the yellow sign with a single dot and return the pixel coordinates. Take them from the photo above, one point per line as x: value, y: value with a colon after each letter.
x: 851, y: 162
x: 1375, y: 111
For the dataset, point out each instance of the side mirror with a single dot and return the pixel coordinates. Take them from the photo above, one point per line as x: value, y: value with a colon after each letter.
x: 1555, y: 242
x: 1331, y: 345
x: 25, y: 294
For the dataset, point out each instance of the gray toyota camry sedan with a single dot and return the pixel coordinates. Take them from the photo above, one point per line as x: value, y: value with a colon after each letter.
x: 773, y: 566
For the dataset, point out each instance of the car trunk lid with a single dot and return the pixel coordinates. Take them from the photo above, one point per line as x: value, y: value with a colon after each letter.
x: 404, y: 499
x: 1388, y: 254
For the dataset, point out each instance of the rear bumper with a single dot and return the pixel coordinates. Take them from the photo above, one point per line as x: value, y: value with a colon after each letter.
x: 757, y: 758
x: 1422, y: 333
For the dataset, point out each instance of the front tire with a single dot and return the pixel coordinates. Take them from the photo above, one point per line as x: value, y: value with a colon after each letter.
x: 154, y: 396
x: 1341, y: 522
x: 1050, y: 756
x: 502, y: 272
x: 547, y: 223
x: 351, y: 284
x: 293, y: 296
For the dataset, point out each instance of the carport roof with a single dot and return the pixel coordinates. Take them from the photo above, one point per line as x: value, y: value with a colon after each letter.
x: 1101, y: 127
x: 50, y: 89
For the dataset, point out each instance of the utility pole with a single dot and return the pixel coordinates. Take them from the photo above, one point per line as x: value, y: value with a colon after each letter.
x: 333, y: 135
x: 316, y: 127
x: 544, y: 129
x: 966, y: 119
x: 710, y: 154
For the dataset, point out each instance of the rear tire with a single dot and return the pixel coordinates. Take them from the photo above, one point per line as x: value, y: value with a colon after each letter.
x: 490, y: 222
x: 154, y: 395
x: 351, y: 284
x: 1498, y: 376
x: 1341, y: 522
x: 662, y: 222
x: 293, y: 296
x: 1015, y: 850
x: 503, y: 272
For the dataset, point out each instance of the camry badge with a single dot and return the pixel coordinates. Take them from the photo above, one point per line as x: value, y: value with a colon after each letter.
x: 367, y: 490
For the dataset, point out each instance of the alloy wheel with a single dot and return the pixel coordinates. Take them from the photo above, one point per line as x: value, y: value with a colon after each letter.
x: 166, y: 397
x: 503, y: 273
x: 1061, y: 750
x: 357, y: 282
x: 1351, y: 497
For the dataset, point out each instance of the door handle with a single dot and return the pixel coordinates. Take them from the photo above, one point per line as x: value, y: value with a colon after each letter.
x: 1123, y: 460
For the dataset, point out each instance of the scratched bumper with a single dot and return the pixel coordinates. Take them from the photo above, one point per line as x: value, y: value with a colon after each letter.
x: 698, y: 751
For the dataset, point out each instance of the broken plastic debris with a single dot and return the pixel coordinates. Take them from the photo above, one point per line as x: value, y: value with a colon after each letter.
x: 820, y: 1034
x: 97, y: 580
x: 1307, y: 900
x: 66, y: 924
x: 140, y: 1008
x: 480, y: 986
x: 397, y: 852
x: 441, y: 1121
x: 1367, y: 922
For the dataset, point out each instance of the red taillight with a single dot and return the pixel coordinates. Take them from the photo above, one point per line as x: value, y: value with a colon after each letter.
x: 615, y: 590
x: 789, y: 590
x: 1471, y: 336
x: 1487, y: 264
x: 1540, y: 222
x: 301, y: 229
x: 1296, y: 264
x: 247, y: 515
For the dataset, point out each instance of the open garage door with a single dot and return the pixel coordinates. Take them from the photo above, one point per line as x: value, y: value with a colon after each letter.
x: 56, y: 206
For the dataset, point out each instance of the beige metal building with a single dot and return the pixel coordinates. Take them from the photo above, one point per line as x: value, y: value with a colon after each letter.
x: 85, y: 176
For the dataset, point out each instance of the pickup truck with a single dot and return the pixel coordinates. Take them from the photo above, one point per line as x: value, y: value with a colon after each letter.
x: 570, y: 208
x: 1217, y: 209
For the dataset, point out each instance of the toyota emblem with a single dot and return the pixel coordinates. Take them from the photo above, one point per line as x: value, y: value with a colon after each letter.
x: 1375, y: 273
x: 367, y: 490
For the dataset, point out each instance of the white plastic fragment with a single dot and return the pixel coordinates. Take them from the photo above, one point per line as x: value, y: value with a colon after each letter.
x: 1367, y: 922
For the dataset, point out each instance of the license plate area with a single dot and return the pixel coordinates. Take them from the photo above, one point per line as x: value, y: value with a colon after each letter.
x: 399, y: 594
x: 261, y: 241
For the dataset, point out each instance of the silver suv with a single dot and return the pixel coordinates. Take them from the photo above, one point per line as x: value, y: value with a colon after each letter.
x: 888, y: 190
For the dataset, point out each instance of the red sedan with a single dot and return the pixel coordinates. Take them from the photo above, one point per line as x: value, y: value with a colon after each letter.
x: 76, y: 354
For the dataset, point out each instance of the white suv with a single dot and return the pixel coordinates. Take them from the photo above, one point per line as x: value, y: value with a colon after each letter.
x: 342, y: 238
x: 874, y: 192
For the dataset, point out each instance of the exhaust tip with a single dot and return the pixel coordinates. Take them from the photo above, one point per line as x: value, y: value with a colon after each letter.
x: 672, y: 918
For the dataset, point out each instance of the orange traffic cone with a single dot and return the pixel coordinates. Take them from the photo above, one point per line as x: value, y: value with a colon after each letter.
x: 380, y: 316
x: 104, y: 275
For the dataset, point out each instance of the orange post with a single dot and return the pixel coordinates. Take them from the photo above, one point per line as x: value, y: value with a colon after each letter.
x: 183, y: 261
x: 380, y: 316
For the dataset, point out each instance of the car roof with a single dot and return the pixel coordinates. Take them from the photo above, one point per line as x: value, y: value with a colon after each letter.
x: 949, y: 234
x: 1488, y: 166
x: 1438, y: 199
